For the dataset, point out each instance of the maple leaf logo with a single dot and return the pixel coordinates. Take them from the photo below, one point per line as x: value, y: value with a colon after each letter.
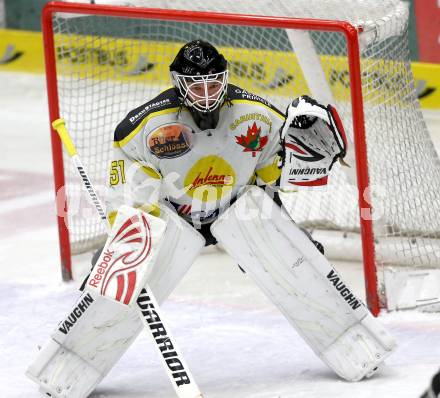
x: 252, y: 141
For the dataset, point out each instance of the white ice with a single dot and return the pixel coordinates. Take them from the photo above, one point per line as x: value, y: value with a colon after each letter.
x: 236, y: 343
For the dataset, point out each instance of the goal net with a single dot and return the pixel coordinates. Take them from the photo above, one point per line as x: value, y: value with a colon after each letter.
x: 110, y: 60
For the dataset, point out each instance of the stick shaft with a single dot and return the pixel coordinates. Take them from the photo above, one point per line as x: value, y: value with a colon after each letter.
x: 94, y: 198
x: 60, y: 127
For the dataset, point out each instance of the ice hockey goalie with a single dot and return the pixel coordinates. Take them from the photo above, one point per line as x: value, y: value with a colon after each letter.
x: 208, y: 158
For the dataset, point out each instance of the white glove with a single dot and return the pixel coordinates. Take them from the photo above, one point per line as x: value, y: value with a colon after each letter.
x: 312, y: 139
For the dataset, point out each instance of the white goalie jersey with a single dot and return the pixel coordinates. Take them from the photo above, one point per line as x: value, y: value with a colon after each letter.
x: 160, y: 153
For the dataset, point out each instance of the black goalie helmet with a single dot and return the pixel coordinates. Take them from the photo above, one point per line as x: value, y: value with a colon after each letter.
x: 200, y: 75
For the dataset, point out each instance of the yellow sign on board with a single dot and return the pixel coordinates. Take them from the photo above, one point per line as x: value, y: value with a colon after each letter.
x: 263, y: 72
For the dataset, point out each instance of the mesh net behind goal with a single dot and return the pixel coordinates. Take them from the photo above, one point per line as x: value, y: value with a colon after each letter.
x: 108, y: 65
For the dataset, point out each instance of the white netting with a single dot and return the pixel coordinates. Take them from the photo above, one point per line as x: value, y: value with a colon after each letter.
x: 357, y: 12
x: 108, y: 65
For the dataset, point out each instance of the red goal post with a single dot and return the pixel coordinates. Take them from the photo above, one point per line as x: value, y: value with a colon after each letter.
x: 54, y: 58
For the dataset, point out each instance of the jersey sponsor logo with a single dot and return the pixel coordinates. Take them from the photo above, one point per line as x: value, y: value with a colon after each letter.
x: 343, y: 290
x: 150, y: 106
x: 163, y: 340
x: 253, y: 117
x: 210, y: 179
x: 67, y: 324
x: 252, y: 97
x: 170, y: 140
x: 253, y: 141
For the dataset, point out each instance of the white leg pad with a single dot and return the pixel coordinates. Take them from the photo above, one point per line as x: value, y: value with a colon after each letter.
x: 55, y: 358
x: 300, y: 281
x: 91, y: 339
x: 84, y: 347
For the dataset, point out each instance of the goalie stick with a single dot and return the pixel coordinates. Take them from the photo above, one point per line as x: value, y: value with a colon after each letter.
x: 433, y: 390
x: 146, y: 304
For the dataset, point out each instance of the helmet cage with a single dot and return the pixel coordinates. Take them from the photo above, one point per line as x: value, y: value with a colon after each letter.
x: 204, y: 100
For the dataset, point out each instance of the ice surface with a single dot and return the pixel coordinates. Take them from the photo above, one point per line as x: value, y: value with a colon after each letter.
x: 235, y: 342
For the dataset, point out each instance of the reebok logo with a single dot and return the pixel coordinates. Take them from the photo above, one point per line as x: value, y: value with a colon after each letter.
x: 101, y: 269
